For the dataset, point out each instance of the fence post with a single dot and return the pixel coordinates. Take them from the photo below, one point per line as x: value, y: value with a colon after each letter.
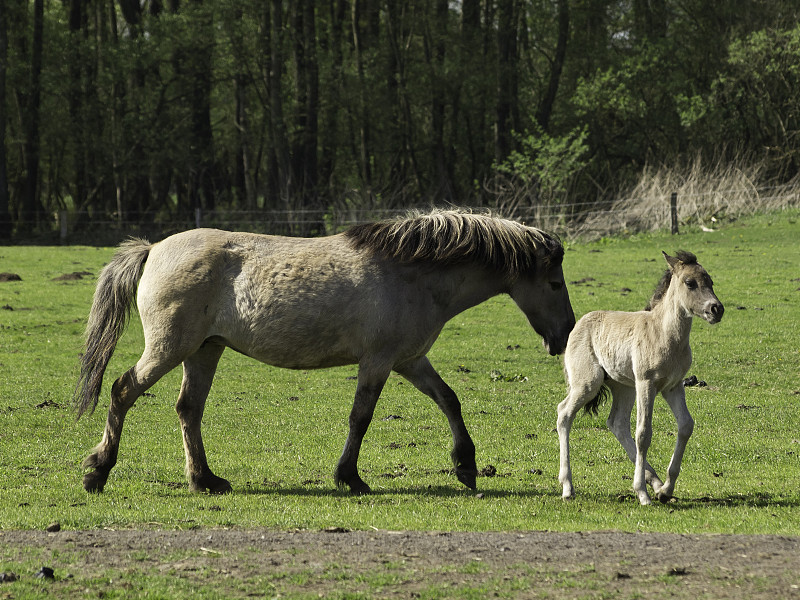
x: 63, y: 225
x: 673, y: 211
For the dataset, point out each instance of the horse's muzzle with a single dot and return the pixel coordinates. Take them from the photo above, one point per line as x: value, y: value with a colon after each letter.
x: 557, y: 344
x: 713, y: 311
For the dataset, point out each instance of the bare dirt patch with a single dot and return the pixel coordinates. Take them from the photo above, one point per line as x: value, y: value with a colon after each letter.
x: 74, y: 276
x: 444, y: 564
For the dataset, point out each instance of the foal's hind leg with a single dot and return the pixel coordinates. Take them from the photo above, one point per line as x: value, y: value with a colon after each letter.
x: 425, y: 378
x: 198, y: 374
x: 619, y: 422
x: 124, y: 393
x: 585, y: 383
x: 676, y: 398
x: 370, y: 383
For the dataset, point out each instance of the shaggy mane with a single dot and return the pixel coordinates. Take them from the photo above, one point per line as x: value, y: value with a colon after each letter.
x: 686, y: 258
x: 450, y: 236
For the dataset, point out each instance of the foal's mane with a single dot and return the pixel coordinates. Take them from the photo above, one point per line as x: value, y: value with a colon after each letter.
x: 686, y: 258
x: 452, y: 236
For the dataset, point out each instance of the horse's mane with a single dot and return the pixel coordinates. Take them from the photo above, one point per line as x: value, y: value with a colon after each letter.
x: 686, y: 258
x: 452, y: 236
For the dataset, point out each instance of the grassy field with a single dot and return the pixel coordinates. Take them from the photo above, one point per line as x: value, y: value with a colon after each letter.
x: 276, y: 435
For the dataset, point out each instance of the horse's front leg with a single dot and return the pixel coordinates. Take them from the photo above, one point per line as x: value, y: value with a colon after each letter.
x: 619, y: 422
x: 425, y: 378
x: 676, y: 398
x: 198, y: 374
x: 370, y: 385
x: 645, y: 397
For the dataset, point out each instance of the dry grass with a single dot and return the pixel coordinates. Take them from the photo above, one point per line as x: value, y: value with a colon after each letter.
x: 705, y: 193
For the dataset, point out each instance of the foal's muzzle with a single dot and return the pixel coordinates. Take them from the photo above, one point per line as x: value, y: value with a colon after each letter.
x: 713, y: 311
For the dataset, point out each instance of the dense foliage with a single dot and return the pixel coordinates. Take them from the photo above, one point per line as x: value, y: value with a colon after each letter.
x: 145, y: 111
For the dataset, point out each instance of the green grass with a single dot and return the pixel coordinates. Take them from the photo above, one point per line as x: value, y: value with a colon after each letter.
x: 276, y: 434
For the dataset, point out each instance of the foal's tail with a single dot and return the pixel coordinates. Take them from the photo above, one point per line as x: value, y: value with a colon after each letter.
x: 593, y: 405
x: 111, y: 307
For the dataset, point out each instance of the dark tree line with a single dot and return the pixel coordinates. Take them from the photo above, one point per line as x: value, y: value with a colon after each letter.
x: 145, y: 111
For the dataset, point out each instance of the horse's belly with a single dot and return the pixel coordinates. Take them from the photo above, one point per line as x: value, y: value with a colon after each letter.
x: 293, y: 349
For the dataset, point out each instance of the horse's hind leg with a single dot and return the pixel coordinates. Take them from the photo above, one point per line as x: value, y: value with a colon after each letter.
x: 425, y: 378
x: 124, y: 393
x: 619, y: 422
x: 370, y: 383
x: 198, y: 374
x: 676, y: 398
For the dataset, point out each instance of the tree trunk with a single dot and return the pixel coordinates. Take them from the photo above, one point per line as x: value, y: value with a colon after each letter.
x: 280, y: 143
x: 362, y: 119
x: 304, y: 148
x: 443, y: 181
x: 31, y: 205
x: 5, y: 214
x: 507, y: 78
x: 557, y: 65
x: 202, y: 176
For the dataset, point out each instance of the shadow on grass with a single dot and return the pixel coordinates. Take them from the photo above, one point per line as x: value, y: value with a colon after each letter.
x: 755, y: 500
x: 440, y: 491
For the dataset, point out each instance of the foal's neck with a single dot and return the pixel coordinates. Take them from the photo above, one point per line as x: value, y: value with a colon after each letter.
x: 674, y: 320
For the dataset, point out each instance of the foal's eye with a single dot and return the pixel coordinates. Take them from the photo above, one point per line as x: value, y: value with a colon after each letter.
x: 691, y: 284
x: 556, y: 285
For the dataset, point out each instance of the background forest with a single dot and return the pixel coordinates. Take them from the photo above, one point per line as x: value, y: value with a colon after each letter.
x: 142, y: 111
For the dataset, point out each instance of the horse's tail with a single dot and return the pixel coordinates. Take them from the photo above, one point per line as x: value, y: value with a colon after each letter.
x: 111, y: 307
x: 594, y: 404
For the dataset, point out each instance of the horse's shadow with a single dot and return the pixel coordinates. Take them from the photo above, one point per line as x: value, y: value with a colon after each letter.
x: 755, y: 500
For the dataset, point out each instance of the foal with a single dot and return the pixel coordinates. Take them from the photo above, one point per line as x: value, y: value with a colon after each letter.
x: 636, y: 355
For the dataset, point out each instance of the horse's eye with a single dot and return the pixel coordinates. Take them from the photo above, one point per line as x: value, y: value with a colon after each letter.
x: 556, y: 285
x: 691, y: 284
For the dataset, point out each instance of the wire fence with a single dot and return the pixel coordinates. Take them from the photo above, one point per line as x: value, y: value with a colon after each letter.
x: 673, y: 210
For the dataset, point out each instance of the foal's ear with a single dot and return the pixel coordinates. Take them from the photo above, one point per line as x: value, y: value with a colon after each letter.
x: 671, y: 260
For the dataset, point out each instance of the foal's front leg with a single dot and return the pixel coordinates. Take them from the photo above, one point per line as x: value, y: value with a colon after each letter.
x: 676, y: 398
x: 370, y: 385
x: 645, y: 396
x: 619, y: 422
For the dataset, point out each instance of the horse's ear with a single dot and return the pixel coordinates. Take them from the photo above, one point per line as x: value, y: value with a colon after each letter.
x: 671, y: 260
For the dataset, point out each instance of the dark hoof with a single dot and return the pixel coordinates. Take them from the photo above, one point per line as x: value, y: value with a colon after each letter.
x: 468, y: 477
x: 212, y: 484
x: 360, y: 488
x: 664, y: 498
x: 94, y: 482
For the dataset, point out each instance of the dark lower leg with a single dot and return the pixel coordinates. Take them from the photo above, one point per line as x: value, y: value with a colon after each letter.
x: 425, y: 378
x: 198, y: 373
x: 360, y: 417
x: 104, y: 456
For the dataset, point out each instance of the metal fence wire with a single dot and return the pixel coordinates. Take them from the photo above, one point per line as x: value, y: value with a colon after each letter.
x: 570, y: 220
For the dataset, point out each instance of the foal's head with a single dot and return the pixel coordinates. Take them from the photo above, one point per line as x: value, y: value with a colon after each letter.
x: 693, y: 286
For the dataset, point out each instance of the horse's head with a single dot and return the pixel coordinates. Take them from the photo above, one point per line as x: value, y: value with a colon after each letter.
x: 542, y: 295
x: 694, y: 286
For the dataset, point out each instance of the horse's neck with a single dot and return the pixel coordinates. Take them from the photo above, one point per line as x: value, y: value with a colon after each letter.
x: 459, y: 288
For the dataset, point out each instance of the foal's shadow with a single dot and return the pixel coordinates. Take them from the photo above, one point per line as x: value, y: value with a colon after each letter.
x: 679, y: 503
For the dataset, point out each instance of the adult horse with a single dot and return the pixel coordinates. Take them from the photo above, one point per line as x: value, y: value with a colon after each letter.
x: 376, y: 295
x: 636, y: 355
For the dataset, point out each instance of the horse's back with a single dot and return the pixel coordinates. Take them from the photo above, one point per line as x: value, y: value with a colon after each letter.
x: 290, y: 302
